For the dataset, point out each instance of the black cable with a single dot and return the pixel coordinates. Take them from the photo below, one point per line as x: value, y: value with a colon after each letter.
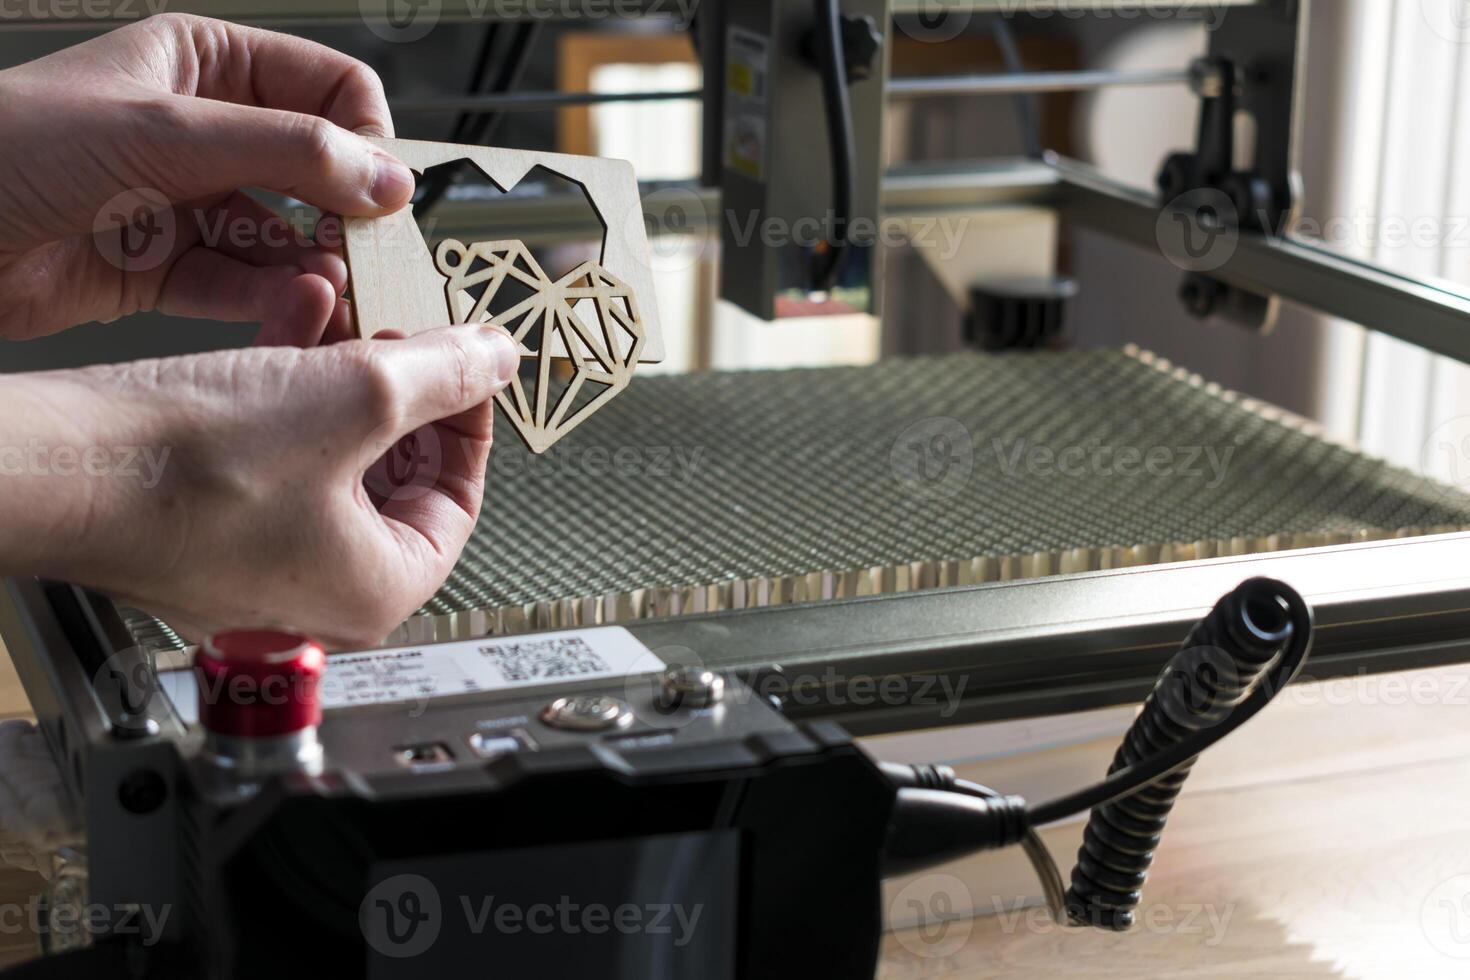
x: 1010, y: 53
x: 830, y: 257
x: 478, y: 78
x: 480, y: 127
x: 930, y: 777
x: 1232, y: 663
x: 435, y: 185
x: 1042, y: 862
x: 932, y: 826
x: 1127, y: 780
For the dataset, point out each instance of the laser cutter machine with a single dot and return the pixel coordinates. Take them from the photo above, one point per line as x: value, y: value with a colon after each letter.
x: 651, y: 690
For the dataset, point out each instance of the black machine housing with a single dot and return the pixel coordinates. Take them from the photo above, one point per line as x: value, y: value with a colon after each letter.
x: 693, y: 854
x: 779, y: 796
x: 720, y: 842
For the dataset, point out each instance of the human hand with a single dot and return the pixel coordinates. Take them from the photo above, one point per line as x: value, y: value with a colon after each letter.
x: 286, y: 492
x: 122, y: 163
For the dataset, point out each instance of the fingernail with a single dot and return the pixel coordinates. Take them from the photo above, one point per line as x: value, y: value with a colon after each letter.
x: 507, y: 356
x: 392, y: 182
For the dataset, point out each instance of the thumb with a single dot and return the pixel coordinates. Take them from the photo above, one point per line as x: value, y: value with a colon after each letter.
x: 220, y: 146
x: 437, y: 375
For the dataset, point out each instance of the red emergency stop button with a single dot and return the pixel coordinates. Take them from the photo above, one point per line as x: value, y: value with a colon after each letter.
x: 259, y: 683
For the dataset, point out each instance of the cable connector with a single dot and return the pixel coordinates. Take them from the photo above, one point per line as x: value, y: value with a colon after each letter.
x: 931, y: 826
x: 921, y: 775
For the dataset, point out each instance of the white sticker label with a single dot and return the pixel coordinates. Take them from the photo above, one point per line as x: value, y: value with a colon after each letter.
x: 747, y: 71
x: 423, y: 673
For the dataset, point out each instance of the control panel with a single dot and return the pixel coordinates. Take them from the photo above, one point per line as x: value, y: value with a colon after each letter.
x: 459, y: 707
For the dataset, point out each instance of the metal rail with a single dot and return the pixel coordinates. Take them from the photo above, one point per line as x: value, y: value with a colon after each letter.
x: 687, y: 209
x: 981, y: 653
x: 528, y: 101
x: 927, y: 190
x: 1074, y: 8
x: 1006, y: 83
x: 1071, y: 643
x: 902, y: 88
x: 1432, y: 315
x: 105, y: 14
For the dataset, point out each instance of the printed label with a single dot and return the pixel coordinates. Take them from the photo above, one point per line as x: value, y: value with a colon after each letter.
x: 747, y: 70
x: 424, y: 673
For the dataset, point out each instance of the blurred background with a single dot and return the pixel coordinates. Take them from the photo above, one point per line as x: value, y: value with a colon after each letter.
x: 1382, y: 133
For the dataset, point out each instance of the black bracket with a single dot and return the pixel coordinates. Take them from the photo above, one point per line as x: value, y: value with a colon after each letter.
x: 1214, y: 197
x: 862, y: 42
x: 1211, y: 198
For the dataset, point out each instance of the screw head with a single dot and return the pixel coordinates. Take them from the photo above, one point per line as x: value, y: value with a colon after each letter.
x: 1207, y: 78
x: 693, y: 687
x: 587, y: 713
x: 142, y: 792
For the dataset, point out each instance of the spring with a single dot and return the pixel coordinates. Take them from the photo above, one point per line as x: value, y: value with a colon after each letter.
x: 1219, y: 664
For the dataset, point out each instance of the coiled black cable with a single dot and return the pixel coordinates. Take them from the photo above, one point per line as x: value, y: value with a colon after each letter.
x: 1252, y: 644
x: 1226, y: 659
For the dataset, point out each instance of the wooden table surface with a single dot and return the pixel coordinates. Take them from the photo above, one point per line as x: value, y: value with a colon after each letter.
x: 1328, y: 838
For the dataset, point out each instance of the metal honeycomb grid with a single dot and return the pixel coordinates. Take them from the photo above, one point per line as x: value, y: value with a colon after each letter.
x: 697, y: 492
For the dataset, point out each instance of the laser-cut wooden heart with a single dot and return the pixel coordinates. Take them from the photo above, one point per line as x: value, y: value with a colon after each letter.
x: 602, y: 359
x: 600, y: 318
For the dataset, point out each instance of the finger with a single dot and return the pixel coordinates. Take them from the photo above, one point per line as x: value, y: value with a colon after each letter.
x: 442, y: 503
x: 329, y: 233
x: 300, y: 317
x: 462, y: 479
x: 233, y: 63
x: 218, y: 146
x: 445, y: 458
x: 339, y: 326
x: 243, y: 228
x: 293, y: 308
x: 443, y: 373
x: 452, y: 455
x: 434, y: 517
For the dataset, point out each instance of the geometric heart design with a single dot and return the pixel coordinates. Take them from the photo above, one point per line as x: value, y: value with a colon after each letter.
x: 588, y: 317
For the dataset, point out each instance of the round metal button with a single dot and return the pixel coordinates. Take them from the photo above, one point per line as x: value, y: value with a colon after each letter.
x: 690, y: 687
x: 586, y: 713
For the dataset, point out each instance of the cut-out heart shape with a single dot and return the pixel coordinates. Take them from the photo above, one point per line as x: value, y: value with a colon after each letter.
x: 553, y: 317
x: 600, y: 318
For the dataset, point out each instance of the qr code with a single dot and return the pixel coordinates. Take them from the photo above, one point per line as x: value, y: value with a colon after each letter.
x: 563, y: 656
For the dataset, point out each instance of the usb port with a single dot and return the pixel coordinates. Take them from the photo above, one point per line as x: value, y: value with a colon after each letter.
x: 494, y: 746
x: 428, y: 754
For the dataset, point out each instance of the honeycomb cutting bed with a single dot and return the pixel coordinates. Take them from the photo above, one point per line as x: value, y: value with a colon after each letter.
x: 730, y: 490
